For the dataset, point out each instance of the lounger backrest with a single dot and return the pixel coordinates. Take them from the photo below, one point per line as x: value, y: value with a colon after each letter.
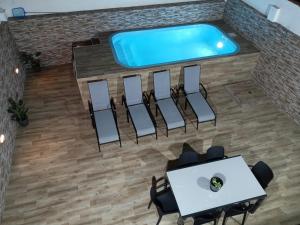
x: 191, y: 79
x: 162, y: 84
x: 133, y: 89
x: 99, y: 95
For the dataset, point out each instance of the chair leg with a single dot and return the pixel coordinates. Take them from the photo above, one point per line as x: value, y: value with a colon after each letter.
x: 150, y: 203
x: 224, y: 220
x: 244, y: 218
x: 159, y: 219
x: 215, y: 221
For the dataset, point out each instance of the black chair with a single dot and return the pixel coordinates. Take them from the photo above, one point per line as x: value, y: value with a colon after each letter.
x: 164, y: 200
x: 188, y: 157
x: 215, y: 153
x: 211, y: 216
x: 263, y: 173
x: 241, y: 209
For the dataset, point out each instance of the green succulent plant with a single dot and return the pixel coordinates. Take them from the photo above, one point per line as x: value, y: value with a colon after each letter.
x: 18, y: 110
x: 216, y: 183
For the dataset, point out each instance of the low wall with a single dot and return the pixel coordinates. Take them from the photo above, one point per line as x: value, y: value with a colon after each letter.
x: 53, y: 34
x: 218, y: 71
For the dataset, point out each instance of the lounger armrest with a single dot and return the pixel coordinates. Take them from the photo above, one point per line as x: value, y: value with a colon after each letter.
x: 92, y: 114
x: 124, y: 101
x: 205, y: 91
x: 112, y: 103
x: 146, y: 98
x: 175, y: 95
x: 113, y: 107
x: 151, y: 115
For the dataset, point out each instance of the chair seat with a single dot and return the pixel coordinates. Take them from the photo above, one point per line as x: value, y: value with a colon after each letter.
x: 170, y: 113
x: 167, y: 201
x: 141, y: 120
x: 200, y: 107
x: 106, y: 126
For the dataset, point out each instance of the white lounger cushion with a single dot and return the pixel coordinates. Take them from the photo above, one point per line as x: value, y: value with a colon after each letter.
x: 162, y: 84
x: 106, y: 126
x: 170, y: 113
x: 99, y: 95
x: 201, y: 107
x: 191, y: 79
x: 141, y: 120
x: 133, y: 90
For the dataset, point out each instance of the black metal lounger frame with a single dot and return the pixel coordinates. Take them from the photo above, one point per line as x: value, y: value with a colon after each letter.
x: 174, y: 97
x: 146, y: 103
x: 113, y: 108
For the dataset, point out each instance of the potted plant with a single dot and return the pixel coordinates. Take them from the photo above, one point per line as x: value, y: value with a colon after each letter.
x: 216, y: 183
x: 31, y: 61
x: 19, y: 111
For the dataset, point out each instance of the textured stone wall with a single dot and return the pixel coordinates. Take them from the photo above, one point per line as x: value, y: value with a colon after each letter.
x: 53, y: 34
x: 11, y: 85
x: 278, y: 67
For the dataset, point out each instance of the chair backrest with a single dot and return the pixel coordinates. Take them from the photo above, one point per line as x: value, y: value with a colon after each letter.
x: 191, y: 79
x: 162, y: 84
x: 133, y: 89
x: 215, y: 153
x: 188, y: 158
x: 263, y: 173
x: 99, y: 95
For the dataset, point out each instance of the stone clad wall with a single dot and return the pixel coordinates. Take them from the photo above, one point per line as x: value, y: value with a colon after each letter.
x: 278, y: 67
x: 11, y: 85
x: 53, y: 34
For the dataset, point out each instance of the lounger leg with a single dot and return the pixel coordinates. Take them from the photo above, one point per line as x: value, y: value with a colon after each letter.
x: 156, y: 134
x: 184, y: 128
x: 167, y: 132
x: 185, y: 104
x: 120, y: 143
x: 127, y: 116
x: 197, y: 124
x: 155, y: 110
x: 137, y: 139
x: 216, y: 122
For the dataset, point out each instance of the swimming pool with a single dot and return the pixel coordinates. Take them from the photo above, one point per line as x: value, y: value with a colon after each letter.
x: 159, y: 46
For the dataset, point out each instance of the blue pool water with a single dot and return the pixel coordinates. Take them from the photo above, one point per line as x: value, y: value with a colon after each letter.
x: 152, y: 47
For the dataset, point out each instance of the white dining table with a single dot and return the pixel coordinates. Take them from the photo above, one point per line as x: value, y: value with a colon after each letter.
x: 191, y: 185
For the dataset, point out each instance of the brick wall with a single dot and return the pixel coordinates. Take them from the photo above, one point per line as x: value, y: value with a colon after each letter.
x: 278, y: 67
x: 11, y: 85
x: 53, y: 34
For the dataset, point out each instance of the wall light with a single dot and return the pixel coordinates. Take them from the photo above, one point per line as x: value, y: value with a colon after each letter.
x: 17, y: 70
x: 2, y: 138
x: 220, y: 44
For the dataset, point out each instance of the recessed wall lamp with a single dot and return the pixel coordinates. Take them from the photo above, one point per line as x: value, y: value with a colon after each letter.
x: 2, y: 138
x: 17, y: 70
